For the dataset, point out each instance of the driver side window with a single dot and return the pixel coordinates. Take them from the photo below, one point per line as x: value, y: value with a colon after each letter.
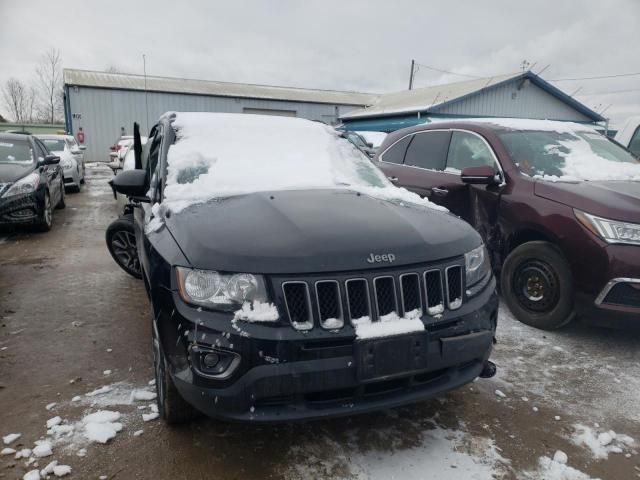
x: 468, y: 150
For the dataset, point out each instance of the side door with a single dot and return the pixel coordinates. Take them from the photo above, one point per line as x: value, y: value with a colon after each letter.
x: 416, y: 161
x: 143, y: 214
x: 77, y: 154
x: 477, y: 204
x: 51, y: 172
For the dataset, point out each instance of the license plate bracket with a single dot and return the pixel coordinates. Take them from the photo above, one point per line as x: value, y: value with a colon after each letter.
x: 389, y: 357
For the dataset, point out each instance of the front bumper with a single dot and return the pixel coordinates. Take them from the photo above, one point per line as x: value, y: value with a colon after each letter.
x: 617, y: 301
x: 21, y: 209
x: 286, y: 375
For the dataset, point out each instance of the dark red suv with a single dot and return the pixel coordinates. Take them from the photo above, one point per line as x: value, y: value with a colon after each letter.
x: 557, y: 204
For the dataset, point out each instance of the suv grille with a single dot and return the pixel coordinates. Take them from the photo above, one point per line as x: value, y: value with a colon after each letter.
x: 346, y: 297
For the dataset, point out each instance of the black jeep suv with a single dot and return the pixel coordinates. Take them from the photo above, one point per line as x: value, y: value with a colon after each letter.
x: 289, y: 279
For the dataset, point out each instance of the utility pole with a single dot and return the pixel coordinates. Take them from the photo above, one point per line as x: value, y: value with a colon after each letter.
x: 413, y: 64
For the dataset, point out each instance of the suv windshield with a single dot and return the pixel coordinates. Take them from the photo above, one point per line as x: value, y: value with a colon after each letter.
x: 569, y: 155
x: 53, y: 144
x: 15, y: 152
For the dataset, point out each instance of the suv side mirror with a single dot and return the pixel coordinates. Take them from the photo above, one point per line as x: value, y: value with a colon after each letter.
x: 82, y: 147
x: 49, y: 160
x: 482, y: 175
x: 133, y: 184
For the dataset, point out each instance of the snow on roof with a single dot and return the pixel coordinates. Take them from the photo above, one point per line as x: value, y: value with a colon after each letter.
x: 532, y: 124
x: 218, y: 155
x: 421, y: 99
x: 88, y: 78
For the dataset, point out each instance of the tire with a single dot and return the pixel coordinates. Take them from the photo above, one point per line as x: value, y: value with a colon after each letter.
x: 537, y: 285
x: 121, y: 242
x: 46, y: 217
x: 172, y: 408
x: 61, y: 204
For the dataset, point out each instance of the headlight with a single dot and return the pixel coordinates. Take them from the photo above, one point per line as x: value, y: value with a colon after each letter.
x: 611, y: 231
x: 66, y: 163
x: 27, y: 184
x: 217, y: 290
x: 477, y: 267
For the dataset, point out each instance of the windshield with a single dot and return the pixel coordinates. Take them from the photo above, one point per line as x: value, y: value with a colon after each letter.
x: 220, y: 155
x: 570, y: 155
x: 15, y: 152
x: 53, y: 144
x: 356, y: 140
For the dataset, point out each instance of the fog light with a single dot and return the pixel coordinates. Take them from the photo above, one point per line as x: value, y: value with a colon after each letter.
x: 210, y: 360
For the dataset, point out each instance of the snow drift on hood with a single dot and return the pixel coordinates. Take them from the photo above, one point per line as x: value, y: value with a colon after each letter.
x: 219, y: 155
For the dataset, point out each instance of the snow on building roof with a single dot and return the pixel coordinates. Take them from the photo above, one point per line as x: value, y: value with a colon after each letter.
x: 88, y: 78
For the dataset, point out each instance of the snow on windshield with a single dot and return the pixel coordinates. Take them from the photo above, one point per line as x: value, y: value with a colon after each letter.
x: 565, y: 151
x: 218, y: 155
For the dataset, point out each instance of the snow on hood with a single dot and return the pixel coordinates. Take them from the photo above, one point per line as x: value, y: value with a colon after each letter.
x: 532, y: 124
x: 218, y: 155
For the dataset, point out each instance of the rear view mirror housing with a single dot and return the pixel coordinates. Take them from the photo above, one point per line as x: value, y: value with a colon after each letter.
x: 482, y: 175
x: 82, y: 147
x: 133, y: 184
x: 49, y: 160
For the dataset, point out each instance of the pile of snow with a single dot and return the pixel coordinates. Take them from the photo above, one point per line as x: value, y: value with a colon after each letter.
x: 556, y: 468
x: 388, y: 325
x: 218, y: 155
x: 101, y: 426
x: 601, y: 443
x: 257, y: 312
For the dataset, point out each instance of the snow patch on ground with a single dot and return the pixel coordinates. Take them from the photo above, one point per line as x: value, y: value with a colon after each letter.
x: 601, y: 443
x: 556, y: 468
x: 10, y: 438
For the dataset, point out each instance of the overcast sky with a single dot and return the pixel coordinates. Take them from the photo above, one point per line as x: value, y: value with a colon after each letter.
x: 343, y: 45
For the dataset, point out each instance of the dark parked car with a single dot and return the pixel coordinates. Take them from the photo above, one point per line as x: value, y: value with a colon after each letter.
x: 289, y: 279
x: 557, y: 204
x: 31, y: 182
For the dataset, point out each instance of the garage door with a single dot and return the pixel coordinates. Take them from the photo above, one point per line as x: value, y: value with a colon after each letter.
x: 269, y: 111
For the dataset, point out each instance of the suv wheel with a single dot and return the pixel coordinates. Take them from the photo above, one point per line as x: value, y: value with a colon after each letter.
x: 172, y: 408
x: 61, y: 204
x: 121, y: 242
x: 537, y: 285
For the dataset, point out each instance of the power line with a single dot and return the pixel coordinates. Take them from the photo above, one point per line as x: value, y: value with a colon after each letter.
x: 595, y: 78
x: 428, y: 67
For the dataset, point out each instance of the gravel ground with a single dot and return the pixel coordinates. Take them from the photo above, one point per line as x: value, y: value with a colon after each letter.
x: 72, y: 322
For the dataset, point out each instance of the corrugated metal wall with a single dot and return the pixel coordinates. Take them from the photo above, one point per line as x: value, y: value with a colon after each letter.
x: 507, y: 101
x: 101, y: 112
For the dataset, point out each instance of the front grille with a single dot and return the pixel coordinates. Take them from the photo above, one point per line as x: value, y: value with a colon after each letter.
x: 329, y: 302
x: 298, y: 303
x: 624, y: 294
x: 454, y: 287
x: 385, y: 294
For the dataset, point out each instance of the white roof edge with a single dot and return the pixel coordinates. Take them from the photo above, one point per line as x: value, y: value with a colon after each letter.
x: 97, y: 79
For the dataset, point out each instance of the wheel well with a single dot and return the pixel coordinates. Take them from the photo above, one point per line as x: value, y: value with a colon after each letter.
x: 524, y: 236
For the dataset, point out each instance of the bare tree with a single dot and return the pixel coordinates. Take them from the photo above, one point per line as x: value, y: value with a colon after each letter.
x: 112, y: 69
x: 15, y: 94
x: 49, y: 83
x: 30, y: 104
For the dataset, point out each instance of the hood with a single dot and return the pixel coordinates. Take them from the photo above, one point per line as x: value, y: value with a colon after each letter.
x: 617, y: 200
x: 314, y: 231
x: 11, y: 172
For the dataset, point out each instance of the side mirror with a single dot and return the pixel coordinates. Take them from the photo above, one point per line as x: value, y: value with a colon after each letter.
x: 82, y: 147
x: 113, y: 155
x: 49, y: 160
x: 482, y: 175
x: 133, y: 184
x: 76, y: 151
x: 369, y: 144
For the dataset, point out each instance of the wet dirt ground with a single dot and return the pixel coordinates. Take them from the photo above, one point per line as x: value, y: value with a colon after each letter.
x: 68, y: 314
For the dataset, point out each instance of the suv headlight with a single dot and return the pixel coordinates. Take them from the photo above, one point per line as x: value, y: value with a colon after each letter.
x: 611, y: 231
x: 67, y: 163
x: 477, y: 268
x: 27, y: 184
x: 220, y: 290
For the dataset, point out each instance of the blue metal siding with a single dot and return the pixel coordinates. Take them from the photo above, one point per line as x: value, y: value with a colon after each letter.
x: 530, y: 101
x: 104, y: 111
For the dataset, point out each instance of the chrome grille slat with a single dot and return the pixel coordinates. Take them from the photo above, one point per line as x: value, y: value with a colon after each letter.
x: 329, y: 304
x: 298, y: 303
x: 358, y: 298
x: 454, y: 286
x: 434, y: 291
x: 384, y: 292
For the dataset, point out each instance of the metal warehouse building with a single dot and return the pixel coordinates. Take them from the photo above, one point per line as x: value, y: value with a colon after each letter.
x: 101, y: 103
x: 521, y: 95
